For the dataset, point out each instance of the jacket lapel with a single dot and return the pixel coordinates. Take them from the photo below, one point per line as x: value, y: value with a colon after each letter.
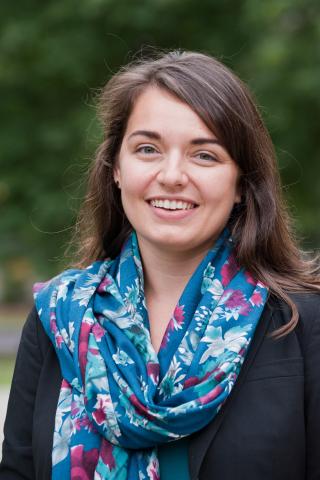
x: 200, y: 441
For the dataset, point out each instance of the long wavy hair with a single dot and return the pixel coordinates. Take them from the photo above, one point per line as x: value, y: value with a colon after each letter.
x: 260, y: 224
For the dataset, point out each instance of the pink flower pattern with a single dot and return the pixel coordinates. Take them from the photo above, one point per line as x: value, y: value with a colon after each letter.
x: 228, y: 271
x: 83, y: 462
x: 236, y: 300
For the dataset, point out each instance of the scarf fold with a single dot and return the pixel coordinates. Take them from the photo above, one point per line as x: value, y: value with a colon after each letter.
x: 118, y: 398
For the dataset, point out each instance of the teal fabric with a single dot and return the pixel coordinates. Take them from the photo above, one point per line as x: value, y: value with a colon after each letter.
x: 173, y: 460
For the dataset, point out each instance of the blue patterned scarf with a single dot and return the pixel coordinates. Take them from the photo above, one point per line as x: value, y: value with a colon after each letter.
x: 119, y: 399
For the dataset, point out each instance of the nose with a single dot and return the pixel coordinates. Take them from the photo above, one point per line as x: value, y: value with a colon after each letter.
x: 172, y: 171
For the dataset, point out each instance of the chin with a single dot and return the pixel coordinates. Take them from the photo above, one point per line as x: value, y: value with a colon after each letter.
x: 164, y: 241
x: 174, y: 244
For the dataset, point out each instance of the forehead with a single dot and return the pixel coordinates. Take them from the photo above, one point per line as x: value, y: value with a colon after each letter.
x: 159, y: 110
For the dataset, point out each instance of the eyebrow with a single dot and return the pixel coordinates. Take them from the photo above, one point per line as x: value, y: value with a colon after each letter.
x: 146, y: 133
x: 157, y: 136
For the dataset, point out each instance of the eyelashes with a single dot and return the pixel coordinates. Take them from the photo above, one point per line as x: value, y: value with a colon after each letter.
x: 207, y: 157
x: 202, y: 156
x: 146, y: 149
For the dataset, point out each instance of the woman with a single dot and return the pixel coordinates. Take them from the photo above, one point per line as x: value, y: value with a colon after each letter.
x: 186, y: 343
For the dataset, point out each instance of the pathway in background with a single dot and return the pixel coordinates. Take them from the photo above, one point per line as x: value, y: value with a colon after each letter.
x: 9, y: 341
x: 12, y: 318
x: 4, y: 394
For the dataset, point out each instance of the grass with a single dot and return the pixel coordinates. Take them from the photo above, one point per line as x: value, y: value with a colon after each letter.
x: 6, y: 370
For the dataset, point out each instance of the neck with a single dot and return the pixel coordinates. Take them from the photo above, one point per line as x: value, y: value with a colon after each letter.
x: 166, y: 273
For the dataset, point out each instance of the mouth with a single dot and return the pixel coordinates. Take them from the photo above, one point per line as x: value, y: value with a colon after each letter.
x: 172, y: 205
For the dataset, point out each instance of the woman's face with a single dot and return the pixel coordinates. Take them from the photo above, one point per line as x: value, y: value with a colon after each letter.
x: 178, y: 183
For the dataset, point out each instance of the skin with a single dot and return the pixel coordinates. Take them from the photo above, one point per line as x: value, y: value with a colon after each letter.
x: 169, y: 161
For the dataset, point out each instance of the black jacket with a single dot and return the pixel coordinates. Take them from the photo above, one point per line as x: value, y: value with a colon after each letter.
x: 269, y: 428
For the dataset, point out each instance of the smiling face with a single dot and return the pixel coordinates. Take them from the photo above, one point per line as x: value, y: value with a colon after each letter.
x: 178, y: 183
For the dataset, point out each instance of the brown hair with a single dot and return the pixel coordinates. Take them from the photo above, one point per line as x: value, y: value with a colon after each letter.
x: 260, y: 224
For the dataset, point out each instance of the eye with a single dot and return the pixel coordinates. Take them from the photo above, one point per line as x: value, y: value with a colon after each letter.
x: 207, y: 157
x: 146, y: 149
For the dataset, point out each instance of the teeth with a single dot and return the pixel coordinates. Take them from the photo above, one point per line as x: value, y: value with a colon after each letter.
x: 172, y: 204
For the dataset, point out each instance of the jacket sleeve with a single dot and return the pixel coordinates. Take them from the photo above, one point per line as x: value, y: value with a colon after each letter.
x: 312, y: 389
x: 17, y: 458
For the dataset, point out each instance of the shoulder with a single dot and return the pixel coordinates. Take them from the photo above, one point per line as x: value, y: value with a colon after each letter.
x: 308, y: 305
x: 33, y: 333
x: 308, y: 326
x: 67, y: 282
x: 306, y: 302
x: 60, y: 289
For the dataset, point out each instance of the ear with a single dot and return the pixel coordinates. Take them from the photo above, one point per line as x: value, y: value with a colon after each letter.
x: 116, y: 176
x: 237, y: 198
x: 238, y: 195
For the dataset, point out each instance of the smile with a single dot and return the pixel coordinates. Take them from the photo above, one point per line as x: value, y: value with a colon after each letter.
x: 172, y: 204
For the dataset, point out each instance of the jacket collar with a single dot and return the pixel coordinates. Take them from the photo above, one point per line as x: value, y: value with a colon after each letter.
x: 200, y: 441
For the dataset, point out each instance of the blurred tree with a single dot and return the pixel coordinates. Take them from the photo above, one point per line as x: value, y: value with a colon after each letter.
x: 54, y: 55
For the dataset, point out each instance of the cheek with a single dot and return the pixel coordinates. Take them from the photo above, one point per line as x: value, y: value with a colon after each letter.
x: 222, y: 190
x: 132, y: 187
x: 132, y: 193
x: 135, y: 180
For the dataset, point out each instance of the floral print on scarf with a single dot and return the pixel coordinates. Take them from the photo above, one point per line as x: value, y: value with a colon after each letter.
x: 119, y: 399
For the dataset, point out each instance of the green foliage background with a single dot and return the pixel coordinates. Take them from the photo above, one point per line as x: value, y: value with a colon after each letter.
x: 54, y: 55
